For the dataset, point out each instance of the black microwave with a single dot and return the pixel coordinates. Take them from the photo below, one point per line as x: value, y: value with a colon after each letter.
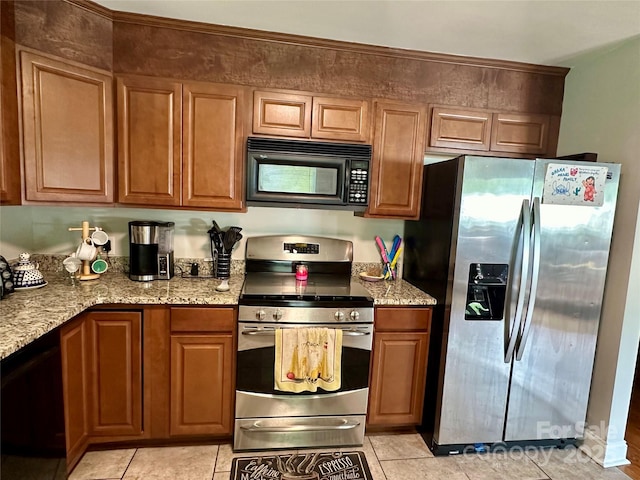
x: 307, y: 174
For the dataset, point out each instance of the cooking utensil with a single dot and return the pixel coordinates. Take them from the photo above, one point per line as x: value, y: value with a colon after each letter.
x: 394, y: 248
x: 384, y: 255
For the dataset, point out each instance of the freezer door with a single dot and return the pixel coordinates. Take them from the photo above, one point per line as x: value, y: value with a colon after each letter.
x: 550, y: 383
x: 474, y: 383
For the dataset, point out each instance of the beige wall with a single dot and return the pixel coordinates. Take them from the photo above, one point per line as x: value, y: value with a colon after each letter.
x: 44, y: 229
x: 601, y: 113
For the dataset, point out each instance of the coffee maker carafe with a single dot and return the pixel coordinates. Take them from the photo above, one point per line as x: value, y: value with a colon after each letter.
x: 150, y: 250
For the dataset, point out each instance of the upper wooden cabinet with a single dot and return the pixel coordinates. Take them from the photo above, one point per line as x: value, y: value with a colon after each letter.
x: 310, y: 116
x: 9, y: 130
x: 467, y: 129
x: 213, y: 146
x: 149, y: 139
x: 520, y: 133
x: 398, y: 159
x: 67, y: 131
x: 180, y: 144
x: 485, y: 131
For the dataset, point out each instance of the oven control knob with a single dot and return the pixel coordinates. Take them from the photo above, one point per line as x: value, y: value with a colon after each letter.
x: 339, y: 316
x: 260, y: 315
x: 355, y: 315
x: 277, y: 315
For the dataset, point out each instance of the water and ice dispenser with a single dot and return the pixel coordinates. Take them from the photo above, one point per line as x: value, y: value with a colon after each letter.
x: 486, y: 290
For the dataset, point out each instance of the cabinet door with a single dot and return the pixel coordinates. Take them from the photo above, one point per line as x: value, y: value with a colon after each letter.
x: 398, y: 378
x: 340, y: 119
x: 520, y: 133
x: 287, y: 114
x: 75, y: 388
x: 149, y: 140
x: 460, y: 128
x: 115, y: 355
x: 201, y: 384
x: 9, y: 132
x: 213, y: 146
x: 398, y: 158
x: 67, y: 131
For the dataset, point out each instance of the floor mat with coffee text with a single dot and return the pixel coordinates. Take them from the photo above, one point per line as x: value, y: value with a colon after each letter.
x: 302, y: 466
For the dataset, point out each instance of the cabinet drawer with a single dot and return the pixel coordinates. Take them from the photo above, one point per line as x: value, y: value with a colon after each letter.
x: 402, y: 319
x: 190, y: 319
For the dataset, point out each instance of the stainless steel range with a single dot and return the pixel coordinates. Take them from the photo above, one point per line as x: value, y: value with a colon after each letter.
x: 272, y: 300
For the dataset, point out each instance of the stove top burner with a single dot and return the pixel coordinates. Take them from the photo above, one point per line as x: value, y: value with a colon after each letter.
x: 284, y: 289
x: 271, y: 264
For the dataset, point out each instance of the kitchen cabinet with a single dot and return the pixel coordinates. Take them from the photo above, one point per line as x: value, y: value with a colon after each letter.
x: 101, y: 379
x: 9, y: 130
x: 467, y: 128
x: 295, y: 114
x: 202, y: 371
x: 484, y: 131
x: 67, y: 131
x: 180, y: 144
x: 75, y: 387
x: 399, y: 366
x: 114, y: 354
x: 398, y: 158
x: 526, y: 133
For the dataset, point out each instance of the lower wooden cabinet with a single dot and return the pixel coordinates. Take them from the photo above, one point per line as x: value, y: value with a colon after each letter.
x: 200, y: 379
x: 115, y: 361
x: 75, y: 386
x: 101, y: 379
x: 399, y: 366
x: 202, y: 359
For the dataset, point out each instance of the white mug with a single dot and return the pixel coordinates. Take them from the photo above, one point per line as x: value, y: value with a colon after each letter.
x: 87, y: 250
x: 99, y: 237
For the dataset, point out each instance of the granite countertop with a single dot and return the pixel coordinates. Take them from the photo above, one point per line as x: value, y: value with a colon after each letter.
x: 28, y: 314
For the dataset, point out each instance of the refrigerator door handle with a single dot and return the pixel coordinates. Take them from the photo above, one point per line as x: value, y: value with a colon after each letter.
x: 535, y: 274
x: 523, y: 231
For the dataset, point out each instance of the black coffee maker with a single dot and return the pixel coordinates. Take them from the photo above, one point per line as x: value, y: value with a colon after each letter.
x: 150, y: 250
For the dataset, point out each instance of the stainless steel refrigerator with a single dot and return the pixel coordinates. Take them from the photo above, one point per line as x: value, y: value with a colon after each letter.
x: 516, y: 253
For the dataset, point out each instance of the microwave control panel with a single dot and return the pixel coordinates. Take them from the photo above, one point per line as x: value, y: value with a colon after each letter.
x: 359, y: 182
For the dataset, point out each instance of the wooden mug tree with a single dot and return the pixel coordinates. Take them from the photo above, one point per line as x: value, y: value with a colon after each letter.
x: 85, y: 273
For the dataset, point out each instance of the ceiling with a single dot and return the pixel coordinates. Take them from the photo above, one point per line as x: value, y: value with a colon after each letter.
x: 545, y: 32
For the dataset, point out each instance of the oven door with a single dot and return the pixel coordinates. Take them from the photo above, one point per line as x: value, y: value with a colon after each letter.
x: 256, y: 357
x: 268, y: 418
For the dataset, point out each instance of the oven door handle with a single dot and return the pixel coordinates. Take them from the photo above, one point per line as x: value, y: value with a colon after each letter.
x: 255, y: 427
x: 272, y: 331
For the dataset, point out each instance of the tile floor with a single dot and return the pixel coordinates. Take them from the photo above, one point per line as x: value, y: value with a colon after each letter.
x: 390, y: 457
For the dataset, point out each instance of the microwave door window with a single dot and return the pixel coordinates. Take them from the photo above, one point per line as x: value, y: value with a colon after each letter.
x: 299, y: 180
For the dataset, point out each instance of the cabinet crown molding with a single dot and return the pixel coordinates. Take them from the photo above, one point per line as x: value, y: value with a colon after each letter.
x: 262, y: 35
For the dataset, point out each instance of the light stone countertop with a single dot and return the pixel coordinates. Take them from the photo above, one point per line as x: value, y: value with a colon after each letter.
x: 28, y: 314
